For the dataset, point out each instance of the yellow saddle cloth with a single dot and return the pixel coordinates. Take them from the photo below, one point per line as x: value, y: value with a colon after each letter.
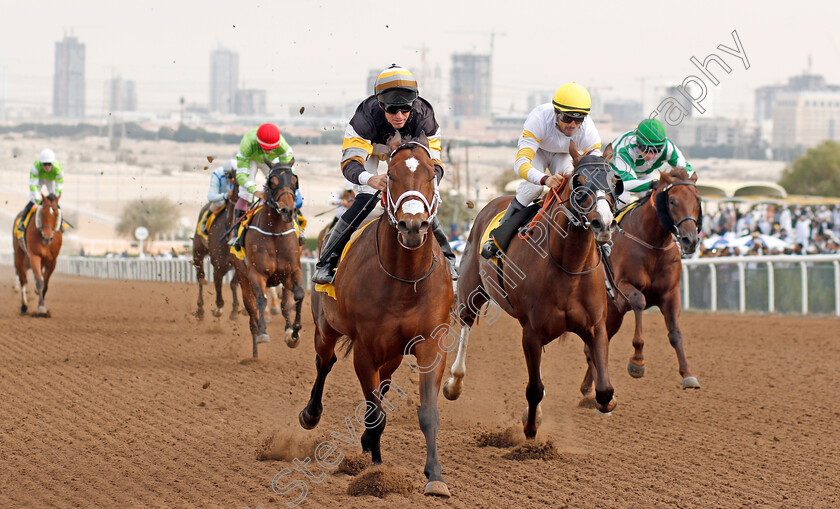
x: 18, y: 233
x: 494, y: 223
x: 249, y: 216
x: 209, y: 218
x: 328, y: 288
x: 625, y: 211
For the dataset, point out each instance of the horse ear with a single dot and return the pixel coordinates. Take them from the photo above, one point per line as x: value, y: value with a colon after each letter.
x: 395, y: 141
x: 423, y: 139
x: 693, y: 177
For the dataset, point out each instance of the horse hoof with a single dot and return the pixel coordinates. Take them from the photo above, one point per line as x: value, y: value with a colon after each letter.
x: 291, y: 339
x: 606, y: 409
x: 635, y: 371
x: 217, y: 312
x: 538, y: 419
x: 437, y: 488
x: 199, y: 314
x: 691, y: 383
x: 275, y: 311
x: 263, y: 338
x: 450, y: 391
x: 307, y: 421
x: 23, y: 310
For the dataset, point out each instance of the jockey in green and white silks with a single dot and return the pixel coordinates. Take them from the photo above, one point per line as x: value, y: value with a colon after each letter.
x: 637, y: 154
x: 46, y: 171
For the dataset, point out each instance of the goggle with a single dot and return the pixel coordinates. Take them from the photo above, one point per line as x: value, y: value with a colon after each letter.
x: 394, y: 108
x: 46, y: 164
x: 648, y: 149
x: 568, y: 118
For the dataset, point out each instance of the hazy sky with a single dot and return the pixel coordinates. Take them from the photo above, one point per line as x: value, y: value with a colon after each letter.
x: 310, y: 52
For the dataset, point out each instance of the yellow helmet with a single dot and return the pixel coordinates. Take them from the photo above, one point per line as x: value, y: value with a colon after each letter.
x: 571, y: 97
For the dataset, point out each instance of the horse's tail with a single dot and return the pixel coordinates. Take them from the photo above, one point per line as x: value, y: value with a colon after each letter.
x: 345, y: 346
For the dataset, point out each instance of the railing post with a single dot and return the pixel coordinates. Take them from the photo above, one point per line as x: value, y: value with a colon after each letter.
x: 685, y: 287
x: 742, y: 288
x: 771, y: 288
x: 713, y: 283
x: 803, y: 269
x: 836, y: 287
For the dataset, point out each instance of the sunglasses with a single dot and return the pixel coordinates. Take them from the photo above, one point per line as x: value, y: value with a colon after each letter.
x: 568, y: 119
x: 647, y: 149
x: 404, y: 108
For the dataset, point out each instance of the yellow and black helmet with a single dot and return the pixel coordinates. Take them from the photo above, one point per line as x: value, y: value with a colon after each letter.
x: 572, y: 99
x: 395, y: 86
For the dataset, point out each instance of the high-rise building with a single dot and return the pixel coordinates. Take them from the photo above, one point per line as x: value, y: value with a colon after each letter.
x: 371, y: 81
x: 249, y: 102
x: 537, y: 97
x: 470, y: 85
x: 624, y: 111
x: 765, y: 97
x: 805, y: 119
x: 3, y: 89
x: 129, y: 95
x: 69, y: 79
x: 224, y: 79
x: 122, y: 95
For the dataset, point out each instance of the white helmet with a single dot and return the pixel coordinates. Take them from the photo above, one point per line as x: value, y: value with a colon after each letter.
x: 47, y: 156
x: 230, y: 165
x: 348, y: 186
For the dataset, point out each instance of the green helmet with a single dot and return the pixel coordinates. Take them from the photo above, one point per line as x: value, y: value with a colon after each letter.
x: 651, y: 132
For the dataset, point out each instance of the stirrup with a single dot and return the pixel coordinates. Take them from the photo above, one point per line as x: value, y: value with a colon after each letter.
x: 323, y: 275
x: 490, y: 250
x: 453, y: 269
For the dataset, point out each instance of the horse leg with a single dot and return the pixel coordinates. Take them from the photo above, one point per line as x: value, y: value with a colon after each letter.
x: 586, y: 388
x: 37, y: 272
x: 374, y: 416
x: 298, y: 294
x: 20, y: 266
x: 217, y: 283
x: 249, y: 300
x: 615, y: 317
x: 291, y: 341
x: 274, y: 301
x: 258, y: 320
x: 598, y: 343
x: 670, y: 307
x: 324, y: 360
x: 235, y: 305
x: 467, y: 312
x: 198, y: 259
x: 535, y: 390
x: 636, y: 366
x: 429, y: 416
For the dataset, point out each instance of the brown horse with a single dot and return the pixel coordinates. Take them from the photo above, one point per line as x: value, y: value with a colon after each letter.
x: 647, y: 266
x: 216, y: 247
x: 551, y: 281
x: 393, y: 296
x: 272, y: 257
x: 38, y: 250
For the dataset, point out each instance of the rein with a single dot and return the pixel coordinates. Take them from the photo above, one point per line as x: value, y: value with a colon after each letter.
x: 401, y: 280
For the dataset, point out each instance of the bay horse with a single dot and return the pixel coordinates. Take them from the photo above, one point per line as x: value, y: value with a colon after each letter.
x: 393, y: 297
x: 272, y: 257
x: 551, y: 280
x: 647, y: 265
x: 38, y: 249
x: 216, y: 247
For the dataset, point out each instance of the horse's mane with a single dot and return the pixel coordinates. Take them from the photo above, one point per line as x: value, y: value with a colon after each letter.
x: 52, y: 197
x: 679, y: 173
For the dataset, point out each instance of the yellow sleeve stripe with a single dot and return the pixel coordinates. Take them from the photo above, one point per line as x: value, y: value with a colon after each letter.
x: 357, y: 143
x: 528, y: 134
x: 524, y: 169
x: 526, y: 152
x: 434, y: 144
x: 593, y: 147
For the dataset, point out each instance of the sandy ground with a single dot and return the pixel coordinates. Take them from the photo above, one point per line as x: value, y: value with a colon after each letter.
x: 122, y: 399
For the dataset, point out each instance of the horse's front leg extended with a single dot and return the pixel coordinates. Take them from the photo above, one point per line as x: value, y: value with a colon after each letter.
x: 598, y: 344
x: 535, y: 390
x: 636, y: 366
x: 258, y: 319
x: 368, y: 374
x: 218, y: 275
x: 670, y: 307
x: 427, y: 352
x: 290, y: 337
x: 35, y: 263
x: 235, y: 305
x: 324, y: 360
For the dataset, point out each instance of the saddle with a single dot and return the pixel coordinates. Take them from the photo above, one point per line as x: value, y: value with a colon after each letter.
x: 238, y: 249
x: 329, y: 289
x: 19, y: 234
x: 502, y: 235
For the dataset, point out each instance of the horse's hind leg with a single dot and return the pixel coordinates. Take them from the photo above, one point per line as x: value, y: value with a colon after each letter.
x: 429, y: 416
x: 235, y: 305
x: 37, y: 272
x: 324, y: 360
x: 670, y: 308
x: 218, y: 275
x: 468, y: 310
x: 250, y: 303
x: 636, y: 366
x: 274, y: 301
x: 614, y: 318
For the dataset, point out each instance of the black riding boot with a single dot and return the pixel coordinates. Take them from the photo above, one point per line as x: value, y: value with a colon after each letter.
x: 489, y: 249
x: 26, y: 210
x: 330, y: 252
x: 443, y: 240
x: 234, y: 235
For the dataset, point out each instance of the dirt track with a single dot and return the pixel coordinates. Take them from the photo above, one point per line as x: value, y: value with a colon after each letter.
x: 122, y: 399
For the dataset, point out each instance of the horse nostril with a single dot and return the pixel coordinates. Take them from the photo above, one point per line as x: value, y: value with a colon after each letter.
x: 424, y: 225
x: 595, y: 224
x: 402, y: 226
x: 614, y: 225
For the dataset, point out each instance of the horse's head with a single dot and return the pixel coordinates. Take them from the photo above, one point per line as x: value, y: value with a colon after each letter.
x: 48, y: 217
x: 593, y: 192
x: 678, y: 207
x: 411, y: 178
x: 280, y: 191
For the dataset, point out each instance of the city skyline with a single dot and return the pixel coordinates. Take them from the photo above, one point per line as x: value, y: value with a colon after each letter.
x: 324, y: 56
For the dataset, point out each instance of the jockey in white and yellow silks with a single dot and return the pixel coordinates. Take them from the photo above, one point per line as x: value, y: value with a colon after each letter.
x: 46, y: 171
x: 544, y: 145
x: 637, y: 154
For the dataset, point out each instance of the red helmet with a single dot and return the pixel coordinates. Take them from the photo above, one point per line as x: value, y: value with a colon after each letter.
x: 268, y: 136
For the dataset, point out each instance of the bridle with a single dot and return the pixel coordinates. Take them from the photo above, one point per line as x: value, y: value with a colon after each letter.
x: 666, y: 220
x: 391, y: 206
x: 39, y: 221
x: 285, y: 182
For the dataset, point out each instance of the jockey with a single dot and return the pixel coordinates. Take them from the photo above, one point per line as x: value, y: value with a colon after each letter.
x: 221, y: 186
x: 544, y: 145
x: 394, y: 107
x: 46, y: 171
x: 342, y: 201
x: 637, y: 153
x: 259, y: 146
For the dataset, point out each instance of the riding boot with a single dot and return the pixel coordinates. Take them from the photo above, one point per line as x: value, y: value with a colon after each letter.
x: 489, y: 249
x: 21, y: 225
x: 206, y: 218
x: 330, y: 252
x: 443, y: 240
x: 234, y: 235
